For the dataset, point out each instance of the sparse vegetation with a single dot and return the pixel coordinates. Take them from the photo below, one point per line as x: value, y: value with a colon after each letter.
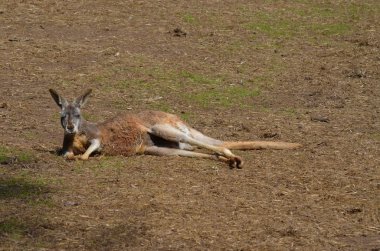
x: 200, y: 79
x: 12, y: 227
x: 227, y: 97
x: 188, y: 18
x: 8, y: 154
x: 244, y: 70
x: 289, y: 112
x: 337, y: 20
x: 4, y: 154
x: 21, y: 188
x: 109, y: 162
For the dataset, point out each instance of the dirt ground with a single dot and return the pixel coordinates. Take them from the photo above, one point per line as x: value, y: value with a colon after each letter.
x: 297, y: 71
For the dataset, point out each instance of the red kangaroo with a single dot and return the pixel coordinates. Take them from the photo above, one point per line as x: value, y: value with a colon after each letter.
x: 148, y: 132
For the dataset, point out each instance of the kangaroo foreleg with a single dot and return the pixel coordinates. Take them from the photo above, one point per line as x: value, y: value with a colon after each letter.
x: 67, y: 147
x: 95, y: 145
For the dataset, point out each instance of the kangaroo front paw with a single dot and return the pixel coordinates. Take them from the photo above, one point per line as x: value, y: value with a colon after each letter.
x: 69, y: 156
x: 236, y: 162
x: 84, y: 157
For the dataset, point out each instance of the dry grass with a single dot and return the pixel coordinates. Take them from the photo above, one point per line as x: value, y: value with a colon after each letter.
x: 244, y: 70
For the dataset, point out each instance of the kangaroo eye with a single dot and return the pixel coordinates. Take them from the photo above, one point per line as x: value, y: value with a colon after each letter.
x: 76, y: 115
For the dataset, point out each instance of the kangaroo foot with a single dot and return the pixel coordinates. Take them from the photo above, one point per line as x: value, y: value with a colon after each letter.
x: 236, y: 162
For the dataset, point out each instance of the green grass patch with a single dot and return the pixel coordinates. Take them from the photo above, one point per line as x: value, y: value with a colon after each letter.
x: 160, y: 106
x: 26, y: 157
x: 42, y: 202
x: 374, y: 136
x: 137, y: 84
x: 98, y: 164
x: 228, y: 97
x: 13, y: 227
x: 321, y: 20
x: 4, y: 154
x: 291, y: 112
x: 189, y: 18
x: 110, y: 162
x: 273, y: 26
x: 185, y: 116
x: 148, y: 83
x: 330, y: 29
x: 146, y: 79
x: 234, y: 46
x: 13, y: 155
x: 200, y: 79
x: 99, y: 79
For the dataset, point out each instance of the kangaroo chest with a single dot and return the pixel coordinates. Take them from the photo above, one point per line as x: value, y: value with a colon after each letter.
x: 80, y: 143
x: 123, y: 136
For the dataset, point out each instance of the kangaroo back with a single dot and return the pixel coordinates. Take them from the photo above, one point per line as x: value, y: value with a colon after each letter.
x: 123, y: 135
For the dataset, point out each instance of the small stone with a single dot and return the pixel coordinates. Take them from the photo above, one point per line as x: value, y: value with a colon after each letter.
x: 178, y: 32
x: 354, y: 210
x: 270, y: 135
x: 320, y: 119
x: 70, y: 203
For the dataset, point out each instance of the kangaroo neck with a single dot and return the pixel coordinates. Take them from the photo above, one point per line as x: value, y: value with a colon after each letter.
x: 89, y: 129
x: 85, y: 126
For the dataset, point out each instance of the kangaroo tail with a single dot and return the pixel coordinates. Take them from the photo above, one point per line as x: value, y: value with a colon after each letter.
x: 257, y: 145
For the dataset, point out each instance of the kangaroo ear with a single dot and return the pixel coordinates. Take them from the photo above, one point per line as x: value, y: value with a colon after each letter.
x: 81, y: 100
x: 61, y: 102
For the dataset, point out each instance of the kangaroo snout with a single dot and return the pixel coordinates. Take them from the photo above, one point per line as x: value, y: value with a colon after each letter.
x: 70, y: 128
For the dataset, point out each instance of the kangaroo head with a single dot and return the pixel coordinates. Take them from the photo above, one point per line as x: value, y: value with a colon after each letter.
x: 70, y: 112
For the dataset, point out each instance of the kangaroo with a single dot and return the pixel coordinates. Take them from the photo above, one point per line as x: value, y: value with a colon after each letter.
x: 147, y: 132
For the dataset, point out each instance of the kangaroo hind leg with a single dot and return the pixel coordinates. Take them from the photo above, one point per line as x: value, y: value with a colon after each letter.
x: 197, y: 135
x: 171, y: 133
x: 166, y: 151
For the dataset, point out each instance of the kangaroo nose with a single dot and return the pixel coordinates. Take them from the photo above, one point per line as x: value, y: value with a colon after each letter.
x: 70, y: 127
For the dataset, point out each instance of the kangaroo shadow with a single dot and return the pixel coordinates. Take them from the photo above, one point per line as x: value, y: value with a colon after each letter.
x: 56, y: 151
x: 20, y: 219
x: 19, y: 188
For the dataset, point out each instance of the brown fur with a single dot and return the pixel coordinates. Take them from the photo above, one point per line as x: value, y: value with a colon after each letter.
x: 123, y: 135
x: 77, y: 143
x: 127, y: 134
